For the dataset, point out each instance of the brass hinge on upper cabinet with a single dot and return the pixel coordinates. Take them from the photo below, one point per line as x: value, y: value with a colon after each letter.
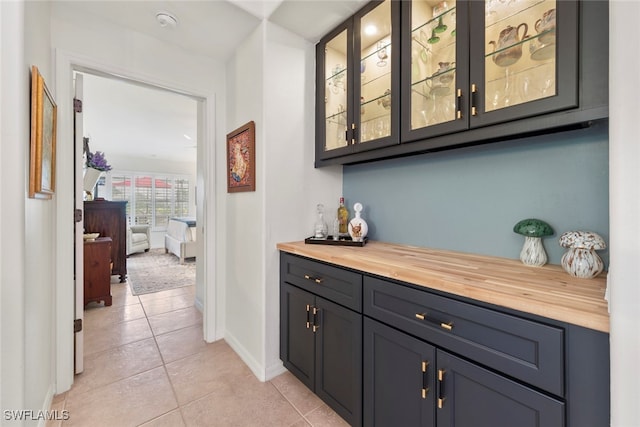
x: 77, y: 325
x: 77, y: 105
x: 77, y: 215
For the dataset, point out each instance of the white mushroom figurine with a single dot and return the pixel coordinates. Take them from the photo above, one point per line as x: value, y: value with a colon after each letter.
x: 581, y: 260
x: 532, y: 251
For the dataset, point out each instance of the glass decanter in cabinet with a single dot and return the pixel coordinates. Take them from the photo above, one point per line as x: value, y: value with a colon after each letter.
x: 357, y: 84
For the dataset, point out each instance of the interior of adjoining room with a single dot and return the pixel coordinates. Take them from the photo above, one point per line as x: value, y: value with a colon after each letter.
x: 143, y: 142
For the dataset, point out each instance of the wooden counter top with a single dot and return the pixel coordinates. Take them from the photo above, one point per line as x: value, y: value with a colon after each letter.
x: 547, y: 291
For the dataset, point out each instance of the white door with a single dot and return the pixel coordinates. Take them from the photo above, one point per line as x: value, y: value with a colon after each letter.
x: 79, y: 228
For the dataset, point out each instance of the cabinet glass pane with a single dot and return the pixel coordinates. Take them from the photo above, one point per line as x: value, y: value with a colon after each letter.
x: 433, y: 62
x: 335, y: 93
x: 520, y: 58
x: 375, y: 73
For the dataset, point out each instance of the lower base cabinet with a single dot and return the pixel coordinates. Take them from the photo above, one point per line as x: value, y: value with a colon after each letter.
x: 321, y: 344
x: 399, y: 378
x: 384, y: 353
x: 468, y: 395
x: 406, y: 380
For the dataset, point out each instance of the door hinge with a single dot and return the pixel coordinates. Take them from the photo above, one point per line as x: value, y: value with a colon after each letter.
x: 77, y: 215
x: 77, y: 105
x: 77, y: 325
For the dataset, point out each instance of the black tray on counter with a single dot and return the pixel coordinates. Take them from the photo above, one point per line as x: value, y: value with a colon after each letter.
x: 342, y: 241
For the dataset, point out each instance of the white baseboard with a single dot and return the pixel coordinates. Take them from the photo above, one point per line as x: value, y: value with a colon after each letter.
x: 257, y: 369
x: 275, y: 370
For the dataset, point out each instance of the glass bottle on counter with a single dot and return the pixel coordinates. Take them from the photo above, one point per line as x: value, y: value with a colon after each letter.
x: 343, y: 219
x: 320, y: 229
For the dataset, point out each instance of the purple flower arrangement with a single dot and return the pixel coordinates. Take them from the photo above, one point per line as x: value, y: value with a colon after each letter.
x: 97, y: 161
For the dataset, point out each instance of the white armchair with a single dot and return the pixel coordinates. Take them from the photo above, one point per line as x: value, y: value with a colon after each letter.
x: 138, y: 239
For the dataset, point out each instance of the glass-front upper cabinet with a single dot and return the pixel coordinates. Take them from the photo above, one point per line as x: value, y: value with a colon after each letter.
x: 357, y: 84
x: 529, y: 58
x: 435, y: 67
x: 467, y: 64
x: 335, y: 87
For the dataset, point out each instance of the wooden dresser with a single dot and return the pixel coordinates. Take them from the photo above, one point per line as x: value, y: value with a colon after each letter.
x: 110, y: 220
x: 97, y: 270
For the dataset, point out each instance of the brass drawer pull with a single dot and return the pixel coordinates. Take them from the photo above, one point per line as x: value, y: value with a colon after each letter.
x: 421, y: 316
x: 315, y: 279
x: 447, y: 326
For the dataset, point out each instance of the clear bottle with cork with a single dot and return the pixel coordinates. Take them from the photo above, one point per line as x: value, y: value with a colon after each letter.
x: 343, y: 219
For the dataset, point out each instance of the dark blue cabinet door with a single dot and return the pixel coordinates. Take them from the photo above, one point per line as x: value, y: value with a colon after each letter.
x: 339, y: 359
x: 296, y: 336
x: 471, y: 396
x: 399, y: 378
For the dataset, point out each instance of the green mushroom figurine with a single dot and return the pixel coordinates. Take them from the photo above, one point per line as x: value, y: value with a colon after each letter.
x: 533, y: 251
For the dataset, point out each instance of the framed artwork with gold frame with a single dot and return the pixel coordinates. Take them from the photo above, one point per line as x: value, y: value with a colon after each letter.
x: 42, y: 165
x: 241, y: 159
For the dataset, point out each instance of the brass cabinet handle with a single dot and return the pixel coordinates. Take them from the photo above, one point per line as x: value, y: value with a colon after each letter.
x: 440, y: 390
x: 308, y: 323
x: 459, y: 104
x: 425, y: 387
x: 316, y: 326
x: 446, y: 326
x: 421, y: 316
x: 474, y: 91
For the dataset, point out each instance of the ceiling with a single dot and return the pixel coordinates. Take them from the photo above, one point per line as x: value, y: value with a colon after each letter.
x: 152, y: 123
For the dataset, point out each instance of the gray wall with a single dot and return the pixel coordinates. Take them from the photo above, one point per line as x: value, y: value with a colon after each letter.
x: 469, y: 199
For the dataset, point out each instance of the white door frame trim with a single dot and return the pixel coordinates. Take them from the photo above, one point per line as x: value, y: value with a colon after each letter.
x: 65, y: 63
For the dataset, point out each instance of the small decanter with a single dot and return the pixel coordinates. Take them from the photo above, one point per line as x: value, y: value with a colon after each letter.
x: 320, y: 229
x: 358, y: 227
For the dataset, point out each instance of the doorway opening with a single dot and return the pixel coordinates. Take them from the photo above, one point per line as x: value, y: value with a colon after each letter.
x: 147, y: 139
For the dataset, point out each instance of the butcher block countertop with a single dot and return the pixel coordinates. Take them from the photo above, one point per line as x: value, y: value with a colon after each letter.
x: 545, y: 291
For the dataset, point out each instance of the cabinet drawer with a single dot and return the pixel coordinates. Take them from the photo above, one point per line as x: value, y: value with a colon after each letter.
x: 520, y: 348
x: 335, y: 284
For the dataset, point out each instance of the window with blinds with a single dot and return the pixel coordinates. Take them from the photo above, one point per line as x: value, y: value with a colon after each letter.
x: 152, y: 198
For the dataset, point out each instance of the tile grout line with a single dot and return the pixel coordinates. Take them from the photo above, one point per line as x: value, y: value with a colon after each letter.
x: 164, y: 367
x: 292, y: 404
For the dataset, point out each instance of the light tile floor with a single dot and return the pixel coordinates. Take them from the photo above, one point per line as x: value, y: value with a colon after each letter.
x: 146, y: 364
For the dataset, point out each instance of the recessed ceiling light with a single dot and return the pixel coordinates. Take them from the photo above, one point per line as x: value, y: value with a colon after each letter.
x: 370, y: 30
x: 165, y: 19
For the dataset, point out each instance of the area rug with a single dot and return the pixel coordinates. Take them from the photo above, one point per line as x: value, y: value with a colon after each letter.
x: 156, y: 271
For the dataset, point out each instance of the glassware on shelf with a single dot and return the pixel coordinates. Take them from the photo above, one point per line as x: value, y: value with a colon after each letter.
x: 546, y: 27
x: 452, y: 18
x: 385, y: 101
x: 337, y: 79
x: 434, y: 38
x: 382, y: 53
x: 440, y: 81
x: 539, y: 51
x: 441, y: 27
